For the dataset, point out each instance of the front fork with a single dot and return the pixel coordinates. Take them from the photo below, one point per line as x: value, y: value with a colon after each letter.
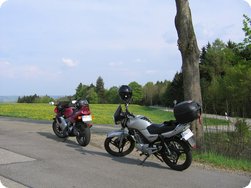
x: 121, y: 134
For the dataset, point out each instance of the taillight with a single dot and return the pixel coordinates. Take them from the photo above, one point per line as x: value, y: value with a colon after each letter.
x: 56, y: 110
x: 85, y: 110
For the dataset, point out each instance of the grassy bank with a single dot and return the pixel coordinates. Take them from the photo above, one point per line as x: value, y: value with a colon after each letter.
x: 103, y: 113
x: 223, y: 162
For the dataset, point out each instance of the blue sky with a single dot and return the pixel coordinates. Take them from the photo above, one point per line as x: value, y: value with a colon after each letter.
x: 49, y: 47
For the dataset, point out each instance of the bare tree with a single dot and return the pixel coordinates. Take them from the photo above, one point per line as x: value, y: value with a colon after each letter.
x: 190, y: 53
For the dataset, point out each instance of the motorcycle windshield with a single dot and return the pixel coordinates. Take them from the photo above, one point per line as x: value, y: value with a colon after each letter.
x: 118, y: 115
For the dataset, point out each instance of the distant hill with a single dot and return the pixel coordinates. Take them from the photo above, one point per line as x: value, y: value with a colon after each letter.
x: 5, y: 99
x: 10, y: 99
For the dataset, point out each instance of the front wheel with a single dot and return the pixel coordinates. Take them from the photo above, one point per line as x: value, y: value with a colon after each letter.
x: 180, y: 157
x: 84, y: 136
x: 119, y: 148
x: 57, y: 130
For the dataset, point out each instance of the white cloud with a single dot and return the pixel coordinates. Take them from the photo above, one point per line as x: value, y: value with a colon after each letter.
x: 11, y: 71
x: 150, y: 72
x: 138, y: 60
x: 70, y: 62
x: 2, y: 2
x: 31, y: 71
x: 2, y: 63
x: 249, y: 2
x: 116, y: 64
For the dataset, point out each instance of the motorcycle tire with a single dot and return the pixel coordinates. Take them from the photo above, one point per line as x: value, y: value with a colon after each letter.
x: 112, y: 146
x: 181, y: 155
x: 57, y: 130
x: 84, y: 136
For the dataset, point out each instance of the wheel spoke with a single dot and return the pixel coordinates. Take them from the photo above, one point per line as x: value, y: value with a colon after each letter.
x: 113, y: 143
x: 118, y: 147
x: 121, y: 149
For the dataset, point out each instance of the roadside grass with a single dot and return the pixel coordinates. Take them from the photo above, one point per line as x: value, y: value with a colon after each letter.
x: 223, y: 162
x: 215, y: 121
x: 30, y: 111
x: 103, y: 114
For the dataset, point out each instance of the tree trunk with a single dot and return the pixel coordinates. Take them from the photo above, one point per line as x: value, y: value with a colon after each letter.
x: 190, y: 53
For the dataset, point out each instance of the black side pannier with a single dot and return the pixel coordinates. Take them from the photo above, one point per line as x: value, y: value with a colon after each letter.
x: 187, y: 111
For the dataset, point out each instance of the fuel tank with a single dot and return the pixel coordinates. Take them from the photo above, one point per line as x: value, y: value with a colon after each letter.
x: 141, y: 123
x: 138, y: 122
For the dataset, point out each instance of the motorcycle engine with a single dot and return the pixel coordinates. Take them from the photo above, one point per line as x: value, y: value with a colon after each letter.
x: 138, y: 137
x: 143, y: 145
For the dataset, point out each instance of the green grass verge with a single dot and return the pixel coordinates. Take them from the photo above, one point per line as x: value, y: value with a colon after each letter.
x: 215, y: 121
x: 221, y: 161
x: 103, y: 113
x: 31, y: 111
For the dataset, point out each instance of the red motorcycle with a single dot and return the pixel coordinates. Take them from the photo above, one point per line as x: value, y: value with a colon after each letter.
x: 73, y: 119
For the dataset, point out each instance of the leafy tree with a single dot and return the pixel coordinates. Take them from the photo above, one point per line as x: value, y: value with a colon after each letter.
x: 79, y: 91
x: 34, y: 99
x: 225, y: 76
x: 149, y: 90
x: 43, y: 99
x: 112, y: 96
x: 100, y: 89
x: 27, y: 99
x: 160, y: 89
x: 175, y: 91
x: 247, y: 30
x: 217, y: 57
x: 245, y: 46
x: 238, y: 87
x: 92, y: 96
x: 137, y: 92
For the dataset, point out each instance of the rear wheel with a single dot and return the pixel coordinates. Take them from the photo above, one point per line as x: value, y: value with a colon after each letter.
x: 118, y: 148
x: 84, y: 136
x: 180, y: 157
x: 57, y: 130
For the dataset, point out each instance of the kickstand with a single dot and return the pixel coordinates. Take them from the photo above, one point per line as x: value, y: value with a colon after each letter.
x: 142, y: 162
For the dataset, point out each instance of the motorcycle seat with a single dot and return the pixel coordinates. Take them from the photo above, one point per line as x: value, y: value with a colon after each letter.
x: 162, y: 128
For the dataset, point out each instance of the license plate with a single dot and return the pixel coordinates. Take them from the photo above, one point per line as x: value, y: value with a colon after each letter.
x: 187, y: 134
x: 87, y: 118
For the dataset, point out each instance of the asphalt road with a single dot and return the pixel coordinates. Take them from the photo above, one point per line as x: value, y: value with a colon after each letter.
x: 32, y: 156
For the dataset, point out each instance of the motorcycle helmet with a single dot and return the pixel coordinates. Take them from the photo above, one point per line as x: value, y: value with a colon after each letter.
x: 125, y: 93
x: 81, y: 103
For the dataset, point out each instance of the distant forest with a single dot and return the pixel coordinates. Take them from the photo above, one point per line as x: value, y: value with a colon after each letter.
x: 225, y: 73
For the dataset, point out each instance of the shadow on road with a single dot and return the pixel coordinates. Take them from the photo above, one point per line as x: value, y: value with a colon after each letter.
x: 54, y: 137
x: 84, y: 151
x: 126, y: 160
